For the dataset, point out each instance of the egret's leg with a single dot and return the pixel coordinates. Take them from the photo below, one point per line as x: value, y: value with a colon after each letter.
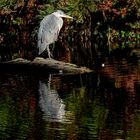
x: 52, y: 49
x: 48, y: 50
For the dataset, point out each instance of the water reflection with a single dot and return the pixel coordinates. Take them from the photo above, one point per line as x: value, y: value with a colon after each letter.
x: 98, y: 106
x: 18, y: 105
x: 50, y: 103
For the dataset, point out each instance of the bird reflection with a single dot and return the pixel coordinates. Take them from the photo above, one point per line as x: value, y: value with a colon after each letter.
x: 50, y: 103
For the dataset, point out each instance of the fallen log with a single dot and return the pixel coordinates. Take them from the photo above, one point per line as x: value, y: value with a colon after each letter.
x: 49, y: 65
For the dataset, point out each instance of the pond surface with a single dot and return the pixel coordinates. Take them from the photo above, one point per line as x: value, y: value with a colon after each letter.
x: 99, y: 106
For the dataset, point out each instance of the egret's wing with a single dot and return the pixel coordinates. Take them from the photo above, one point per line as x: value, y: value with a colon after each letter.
x: 51, y: 28
x: 48, y: 31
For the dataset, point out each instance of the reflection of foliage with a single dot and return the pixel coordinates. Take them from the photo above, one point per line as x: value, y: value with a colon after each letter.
x: 134, y: 132
x: 89, y: 112
x: 14, y: 118
x: 9, y: 121
x: 17, y: 110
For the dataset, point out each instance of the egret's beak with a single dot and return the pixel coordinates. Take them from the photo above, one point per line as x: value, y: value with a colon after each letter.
x: 66, y: 16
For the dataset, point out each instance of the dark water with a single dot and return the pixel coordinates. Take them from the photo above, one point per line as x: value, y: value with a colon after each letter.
x: 98, y: 106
